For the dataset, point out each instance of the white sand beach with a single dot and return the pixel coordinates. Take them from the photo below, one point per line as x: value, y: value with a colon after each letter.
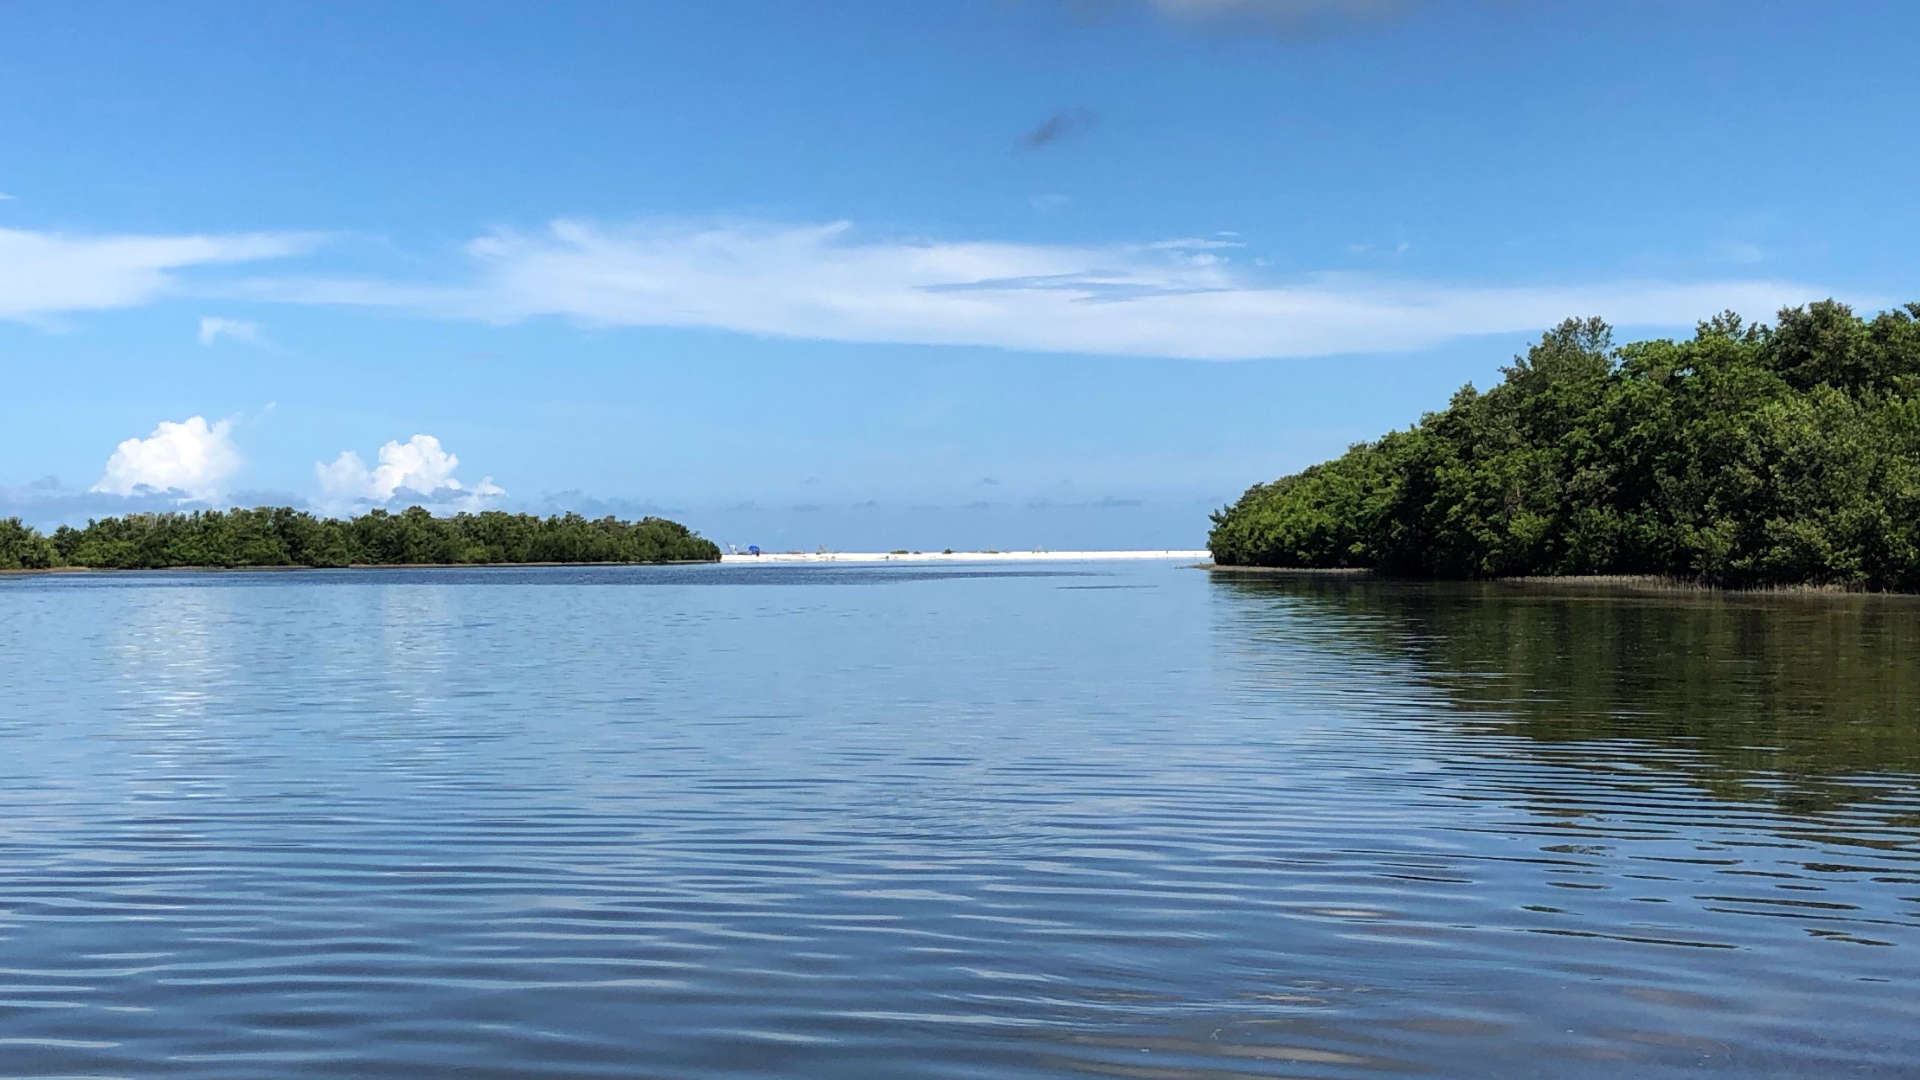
x: 959, y: 556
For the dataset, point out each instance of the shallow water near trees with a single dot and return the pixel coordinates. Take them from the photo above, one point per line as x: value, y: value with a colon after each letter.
x: 975, y: 821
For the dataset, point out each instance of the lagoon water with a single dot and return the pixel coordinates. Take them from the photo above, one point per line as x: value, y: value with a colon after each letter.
x: 1124, y: 820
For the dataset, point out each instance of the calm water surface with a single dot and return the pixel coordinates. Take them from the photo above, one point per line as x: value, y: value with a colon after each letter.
x: 1110, y: 820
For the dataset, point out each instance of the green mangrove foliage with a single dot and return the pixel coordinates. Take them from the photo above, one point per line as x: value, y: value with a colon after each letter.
x: 288, y: 537
x: 1747, y: 456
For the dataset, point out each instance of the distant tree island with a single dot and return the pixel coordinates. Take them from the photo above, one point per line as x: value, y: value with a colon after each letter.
x: 1747, y: 456
x: 287, y: 537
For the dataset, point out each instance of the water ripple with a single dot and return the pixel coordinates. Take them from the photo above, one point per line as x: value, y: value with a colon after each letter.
x: 948, y: 824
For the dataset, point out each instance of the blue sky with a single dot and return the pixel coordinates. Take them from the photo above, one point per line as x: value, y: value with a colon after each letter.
x: 1010, y: 273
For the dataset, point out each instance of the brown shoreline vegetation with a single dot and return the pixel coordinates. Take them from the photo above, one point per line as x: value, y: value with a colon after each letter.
x: 1624, y: 584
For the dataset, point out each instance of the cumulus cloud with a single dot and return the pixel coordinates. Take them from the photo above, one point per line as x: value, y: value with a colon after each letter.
x: 44, y: 274
x: 191, y: 460
x: 418, y: 470
x: 1192, y: 297
x: 214, y: 327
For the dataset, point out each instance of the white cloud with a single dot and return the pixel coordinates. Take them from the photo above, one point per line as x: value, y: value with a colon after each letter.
x: 213, y: 328
x: 1179, y: 298
x: 43, y: 274
x: 1196, y: 243
x: 192, y: 458
x: 419, y: 469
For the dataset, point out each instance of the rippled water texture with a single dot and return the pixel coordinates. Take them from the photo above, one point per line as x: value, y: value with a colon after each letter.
x: 1117, y: 820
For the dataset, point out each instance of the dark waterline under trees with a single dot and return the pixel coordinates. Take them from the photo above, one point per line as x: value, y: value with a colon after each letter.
x: 1746, y: 456
x: 288, y: 537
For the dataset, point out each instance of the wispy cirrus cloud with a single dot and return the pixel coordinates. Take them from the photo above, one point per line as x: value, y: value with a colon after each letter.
x: 215, y: 327
x: 1288, y: 14
x: 1276, y: 8
x: 1285, y: 18
x: 1187, y: 298
x: 46, y: 274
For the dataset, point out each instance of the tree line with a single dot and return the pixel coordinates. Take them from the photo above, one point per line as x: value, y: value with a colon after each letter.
x: 1748, y: 455
x: 287, y: 537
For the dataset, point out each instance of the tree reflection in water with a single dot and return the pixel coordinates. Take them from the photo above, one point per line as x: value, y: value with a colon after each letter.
x: 1809, y: 702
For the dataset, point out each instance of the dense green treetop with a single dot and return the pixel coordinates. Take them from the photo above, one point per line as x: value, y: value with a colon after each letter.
x: 288, y: 537
x: 1748, y: 455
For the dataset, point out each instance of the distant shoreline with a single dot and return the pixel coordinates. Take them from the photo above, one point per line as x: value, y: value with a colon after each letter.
x: 785, y: 557
x: 769, y: 557
x: 1629, y: 584
x: 292, y: 568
